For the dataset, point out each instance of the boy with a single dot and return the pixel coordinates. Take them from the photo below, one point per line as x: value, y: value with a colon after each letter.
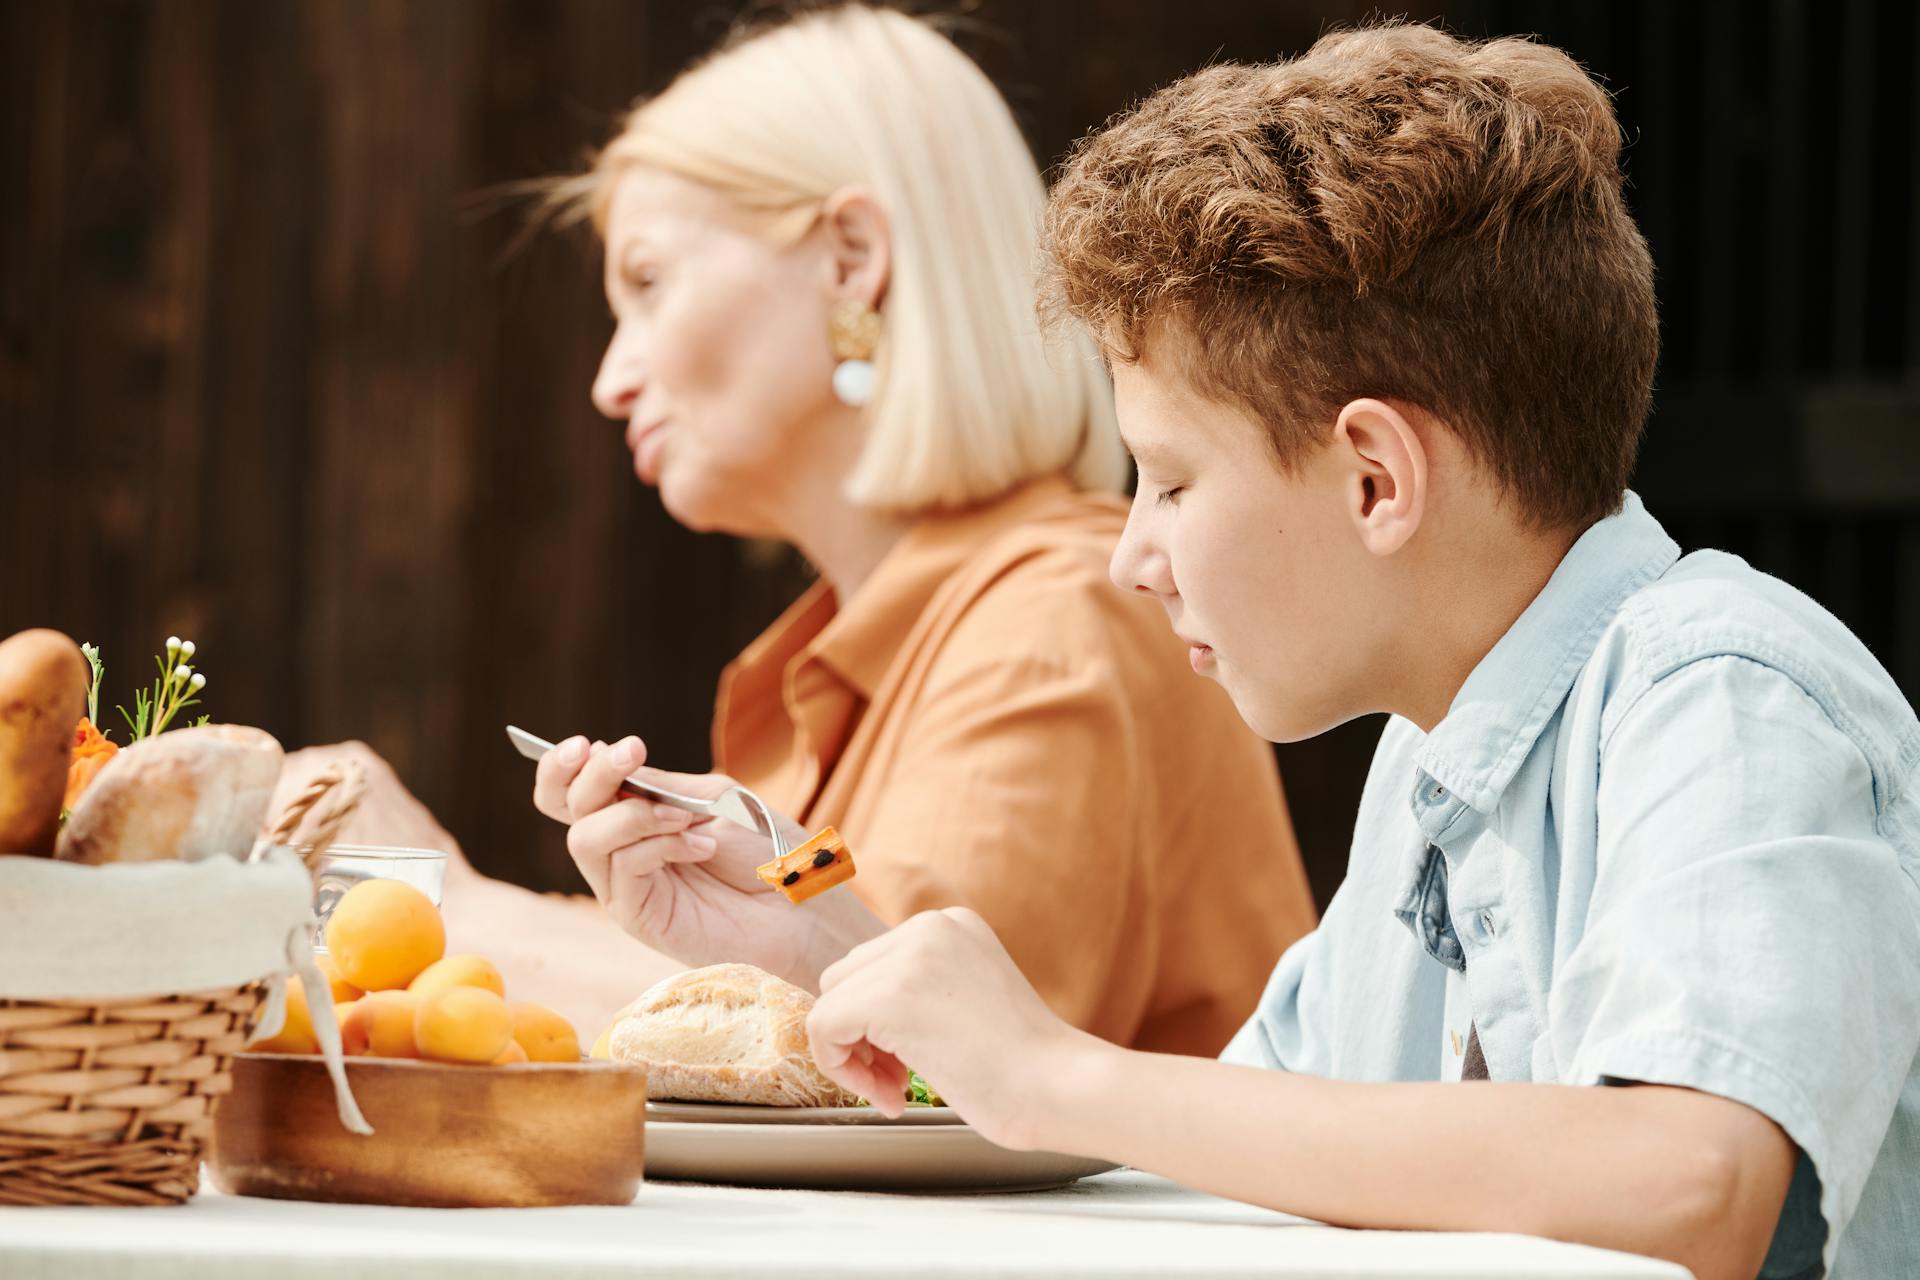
x: 1383, y: 338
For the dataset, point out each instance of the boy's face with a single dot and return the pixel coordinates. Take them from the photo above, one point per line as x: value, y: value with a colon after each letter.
x: 1262, y: 573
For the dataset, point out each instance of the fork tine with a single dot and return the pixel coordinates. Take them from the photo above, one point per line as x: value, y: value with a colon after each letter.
x: 739, y: 805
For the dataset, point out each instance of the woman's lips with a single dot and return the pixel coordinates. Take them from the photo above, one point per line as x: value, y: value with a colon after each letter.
x: 646, y: 443
x: 1200, y: 655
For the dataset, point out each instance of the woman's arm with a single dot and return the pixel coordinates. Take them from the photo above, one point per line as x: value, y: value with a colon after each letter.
x: 558, y: 950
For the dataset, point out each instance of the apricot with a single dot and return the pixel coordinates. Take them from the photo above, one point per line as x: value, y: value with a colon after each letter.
x: 511, y: 1054
x: 296, y: 1033
x: 344, y: 992
x: 462, y: 1024
x: 544, y: 1034
x: 380, y: 1025
x: 459, y: 971
x: 383, y: 933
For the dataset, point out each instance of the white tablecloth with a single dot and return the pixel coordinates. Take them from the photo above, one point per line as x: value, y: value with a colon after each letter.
x: 1119, y: 1224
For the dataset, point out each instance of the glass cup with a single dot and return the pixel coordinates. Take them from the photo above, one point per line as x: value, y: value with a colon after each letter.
x: 342, y: 866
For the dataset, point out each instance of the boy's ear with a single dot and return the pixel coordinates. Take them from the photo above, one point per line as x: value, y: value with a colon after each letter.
x: 860, y: 242
x: 1386, y: 473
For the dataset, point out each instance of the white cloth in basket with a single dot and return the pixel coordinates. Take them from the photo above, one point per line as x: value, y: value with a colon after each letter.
x: 75, y: 932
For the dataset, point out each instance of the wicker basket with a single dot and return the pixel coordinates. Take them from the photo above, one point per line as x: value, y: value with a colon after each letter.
x: 112, y: 1103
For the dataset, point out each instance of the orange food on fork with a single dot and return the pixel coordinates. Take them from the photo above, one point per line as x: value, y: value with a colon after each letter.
x: 813, y: 868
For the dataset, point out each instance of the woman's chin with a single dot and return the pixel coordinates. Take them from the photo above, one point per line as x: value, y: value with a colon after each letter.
x: 701, y: 508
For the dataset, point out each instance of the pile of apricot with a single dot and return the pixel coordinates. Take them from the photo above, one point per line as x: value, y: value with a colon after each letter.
x: 397, y: 994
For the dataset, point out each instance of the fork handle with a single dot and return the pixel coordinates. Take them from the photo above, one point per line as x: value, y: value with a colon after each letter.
x: 646, y: 791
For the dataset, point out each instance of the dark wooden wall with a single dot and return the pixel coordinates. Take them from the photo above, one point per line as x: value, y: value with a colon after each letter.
x: 280, y: 372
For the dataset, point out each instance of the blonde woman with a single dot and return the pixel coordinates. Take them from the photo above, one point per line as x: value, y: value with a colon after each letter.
x: 820, y: 251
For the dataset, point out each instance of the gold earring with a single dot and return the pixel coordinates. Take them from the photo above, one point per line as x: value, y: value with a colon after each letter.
x: 853, y: 330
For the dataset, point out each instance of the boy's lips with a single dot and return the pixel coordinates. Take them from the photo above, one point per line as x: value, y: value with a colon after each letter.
x: 1199, y: 655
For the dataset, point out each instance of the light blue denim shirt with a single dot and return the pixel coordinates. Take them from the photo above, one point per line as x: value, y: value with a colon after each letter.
x: 1670, y: 829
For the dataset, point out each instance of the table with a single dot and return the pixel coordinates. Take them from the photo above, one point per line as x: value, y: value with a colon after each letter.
x: 1119, y: 1224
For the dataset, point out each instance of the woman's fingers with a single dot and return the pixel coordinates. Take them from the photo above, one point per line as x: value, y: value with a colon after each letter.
x: 627, y: 822
x: 595, y: 838
x: 634, y: 874
x: 597, y: 784
x: 554, y: 774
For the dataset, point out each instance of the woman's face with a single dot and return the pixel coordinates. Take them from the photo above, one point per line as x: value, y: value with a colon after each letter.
x: 719, y: 364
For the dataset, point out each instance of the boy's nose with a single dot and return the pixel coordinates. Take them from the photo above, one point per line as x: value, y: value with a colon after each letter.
x: 1139, y: 566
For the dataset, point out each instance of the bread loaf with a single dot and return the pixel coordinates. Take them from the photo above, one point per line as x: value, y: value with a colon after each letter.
x: 43, y: 694
x: 727, y: 1033
x: 186, y: 793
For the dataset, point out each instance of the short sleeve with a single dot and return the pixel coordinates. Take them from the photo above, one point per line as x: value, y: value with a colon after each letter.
x: 1011, y: 793
x: 1751, y: 934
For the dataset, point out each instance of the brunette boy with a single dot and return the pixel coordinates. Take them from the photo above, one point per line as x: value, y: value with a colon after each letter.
x: 1639, y: 847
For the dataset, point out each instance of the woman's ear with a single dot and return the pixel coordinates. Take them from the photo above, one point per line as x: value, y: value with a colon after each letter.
x: 1386, y: 473
x: 859, y: 245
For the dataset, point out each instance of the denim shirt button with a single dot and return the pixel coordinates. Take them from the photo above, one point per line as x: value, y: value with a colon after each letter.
x: 1486, y: 924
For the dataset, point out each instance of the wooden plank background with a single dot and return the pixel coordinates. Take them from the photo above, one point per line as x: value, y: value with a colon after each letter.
x: 277, y: 374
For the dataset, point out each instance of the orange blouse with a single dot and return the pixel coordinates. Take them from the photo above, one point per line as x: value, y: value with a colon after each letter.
x: 989, y: 722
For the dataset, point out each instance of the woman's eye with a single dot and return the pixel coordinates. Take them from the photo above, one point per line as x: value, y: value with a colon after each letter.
x: 640, y: 279
x: 1171, y: 497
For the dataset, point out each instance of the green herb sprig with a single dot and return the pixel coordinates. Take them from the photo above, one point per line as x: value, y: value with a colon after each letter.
x: 175, y: 689
x: 92, y: 652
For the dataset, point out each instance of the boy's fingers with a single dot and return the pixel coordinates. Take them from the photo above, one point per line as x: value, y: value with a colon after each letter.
x: 857, y: 960
x: 843, y: 1052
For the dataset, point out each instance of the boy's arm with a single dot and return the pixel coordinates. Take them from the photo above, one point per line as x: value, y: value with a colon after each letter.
x: 1670, y: 1173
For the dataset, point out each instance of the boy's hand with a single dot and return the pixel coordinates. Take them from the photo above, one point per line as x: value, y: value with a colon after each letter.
x: 682, y: 884
x: 939, y: 994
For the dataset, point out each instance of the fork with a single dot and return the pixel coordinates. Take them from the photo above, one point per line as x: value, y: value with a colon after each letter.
x: 736, y: 804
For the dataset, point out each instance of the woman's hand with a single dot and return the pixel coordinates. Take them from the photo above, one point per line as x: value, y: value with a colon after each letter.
x: 940, y: 994
x: 686, y: 885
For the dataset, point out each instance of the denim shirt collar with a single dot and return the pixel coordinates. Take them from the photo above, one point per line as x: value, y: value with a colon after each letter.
x: 1507, y: 701
x: 1500, y: 712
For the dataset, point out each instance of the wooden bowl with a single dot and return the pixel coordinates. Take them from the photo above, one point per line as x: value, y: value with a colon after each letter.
x: 444, y: 1136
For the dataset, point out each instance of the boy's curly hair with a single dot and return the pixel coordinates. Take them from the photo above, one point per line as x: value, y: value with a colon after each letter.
x: 1399, y: 214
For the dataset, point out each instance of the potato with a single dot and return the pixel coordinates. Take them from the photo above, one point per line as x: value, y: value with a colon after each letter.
x: 43, y: 694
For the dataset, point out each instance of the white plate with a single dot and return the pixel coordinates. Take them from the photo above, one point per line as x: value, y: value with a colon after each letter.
x: 919, y: 1155
x: 727, y: 1113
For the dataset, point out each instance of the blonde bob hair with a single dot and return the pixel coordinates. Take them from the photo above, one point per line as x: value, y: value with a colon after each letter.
x: 971, y: 398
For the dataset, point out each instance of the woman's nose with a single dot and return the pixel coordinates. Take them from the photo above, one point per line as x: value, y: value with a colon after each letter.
x: 618, y: 384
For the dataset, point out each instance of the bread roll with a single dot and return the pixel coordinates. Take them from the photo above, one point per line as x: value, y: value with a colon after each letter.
x: 187, y: 793
x: 728, y: 1033
x: 43, y: 694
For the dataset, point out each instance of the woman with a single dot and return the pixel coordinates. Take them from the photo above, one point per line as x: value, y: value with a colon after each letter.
x: 820, y: 252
